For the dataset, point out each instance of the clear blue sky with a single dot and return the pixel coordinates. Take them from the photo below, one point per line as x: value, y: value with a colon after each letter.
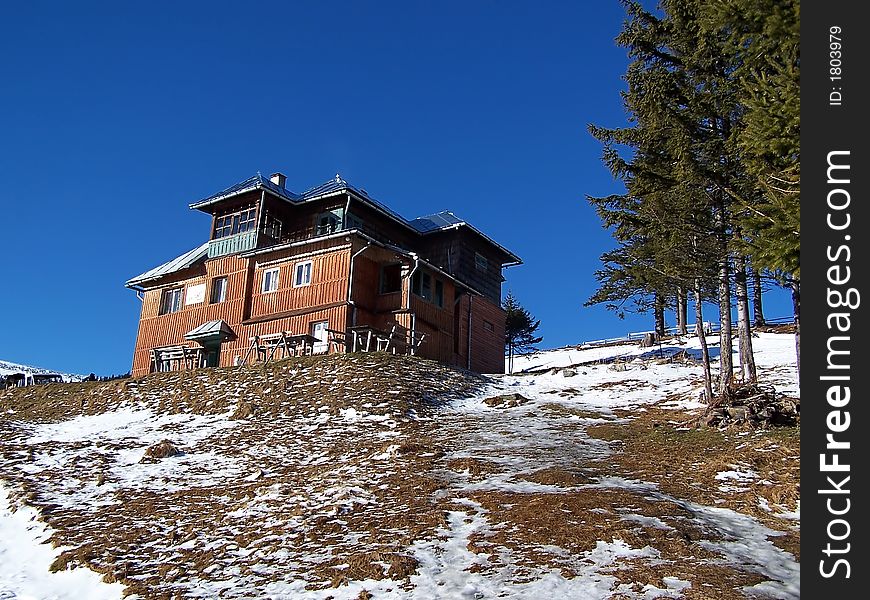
x: 114, y: 116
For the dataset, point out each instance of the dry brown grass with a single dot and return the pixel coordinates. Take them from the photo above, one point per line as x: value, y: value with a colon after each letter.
x: 684, y: 462
x: 410, y: 497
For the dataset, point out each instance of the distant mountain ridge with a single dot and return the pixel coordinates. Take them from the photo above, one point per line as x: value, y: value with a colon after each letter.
x: 7, y: 368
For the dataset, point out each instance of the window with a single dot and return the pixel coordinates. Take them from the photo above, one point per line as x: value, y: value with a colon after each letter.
x: 421, y: 285
x: 218, y: 290
x: 488, y: 326
x: 272, y: 226
x: 270, y: 280
x: 302, y: 274
x: 234, y: 223
x: 329, y: 222
x: 170, y: 301
x: 391, y: 278
x: 480, y: 262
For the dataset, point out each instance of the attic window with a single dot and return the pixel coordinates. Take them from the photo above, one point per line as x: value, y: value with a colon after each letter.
x: 480, y: 262
x: 234, y: 223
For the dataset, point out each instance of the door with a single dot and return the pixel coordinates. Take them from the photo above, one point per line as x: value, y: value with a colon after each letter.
x: 319, y: 330
x: 212, y: 354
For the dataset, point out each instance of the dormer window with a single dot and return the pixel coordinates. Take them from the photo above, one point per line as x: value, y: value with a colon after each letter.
x: 238, y: 222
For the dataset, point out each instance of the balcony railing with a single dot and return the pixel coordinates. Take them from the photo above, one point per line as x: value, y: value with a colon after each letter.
x: 248, y: 241
x: 232, y: 244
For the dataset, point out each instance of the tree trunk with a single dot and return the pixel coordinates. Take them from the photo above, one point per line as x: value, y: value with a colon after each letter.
x: 757, y: 308
x: 682, y: 302
x: 510, y: 358
x: 659, y: 309
x: 702, y: 338
x: 747, y: 357
x: 795, y: 285
x: 726, y: 361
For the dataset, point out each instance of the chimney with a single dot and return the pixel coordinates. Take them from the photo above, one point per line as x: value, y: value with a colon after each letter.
x: 278, y: 179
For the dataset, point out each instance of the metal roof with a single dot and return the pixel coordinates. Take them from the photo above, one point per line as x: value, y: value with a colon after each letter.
x: 188, y: 259
x: 251, y: 183
x: 437, y: 222
x: 447, y: 220
x: 211, y: 329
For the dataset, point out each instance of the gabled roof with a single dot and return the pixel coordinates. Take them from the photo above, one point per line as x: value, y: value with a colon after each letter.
x: 337, y: 185
x: 445, y: 220
x: 188, y: 259
x: 251, y: 183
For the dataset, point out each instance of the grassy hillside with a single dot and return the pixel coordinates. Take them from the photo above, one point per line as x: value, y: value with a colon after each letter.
x: 380, y: 476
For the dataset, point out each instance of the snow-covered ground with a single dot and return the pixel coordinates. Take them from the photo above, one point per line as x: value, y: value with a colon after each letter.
x: 25, y: 558
x: 265, y: 505
x: 774, y: 352
x: 8, y: 368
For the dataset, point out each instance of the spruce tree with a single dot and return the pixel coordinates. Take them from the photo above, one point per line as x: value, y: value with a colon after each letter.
x: 520, y: 328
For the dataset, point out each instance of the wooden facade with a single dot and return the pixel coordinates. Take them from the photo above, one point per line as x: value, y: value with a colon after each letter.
x: 325, y: 263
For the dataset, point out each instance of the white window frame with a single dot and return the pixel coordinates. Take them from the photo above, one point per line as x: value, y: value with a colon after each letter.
x: 273, y: 281
x: 173, y: 306
x: 223, y: 290
x: 299, y: 268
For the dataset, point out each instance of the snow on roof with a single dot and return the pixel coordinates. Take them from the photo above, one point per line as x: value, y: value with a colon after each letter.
x: 188, y: 259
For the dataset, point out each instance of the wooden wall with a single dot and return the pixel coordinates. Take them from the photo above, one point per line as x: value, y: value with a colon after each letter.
x: 329, y: 277
x: 246, y: 309
x: 487, y: 346
x: 249, y: 311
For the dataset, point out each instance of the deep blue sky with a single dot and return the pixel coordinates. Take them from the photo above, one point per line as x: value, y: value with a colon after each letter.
x: 114, y: 116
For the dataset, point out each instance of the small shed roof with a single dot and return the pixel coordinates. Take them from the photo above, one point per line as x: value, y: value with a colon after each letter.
x: 188, y: 259
x: 212, y: 329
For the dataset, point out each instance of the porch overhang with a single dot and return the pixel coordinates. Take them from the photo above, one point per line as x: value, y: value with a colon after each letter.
x: 212, y: 331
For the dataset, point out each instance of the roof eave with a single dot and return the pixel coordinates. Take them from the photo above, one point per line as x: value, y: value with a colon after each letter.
x: 201, y: 204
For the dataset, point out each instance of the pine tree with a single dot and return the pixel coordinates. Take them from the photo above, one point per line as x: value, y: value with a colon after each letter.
x: 764, y: 38
x: 685, y: 174
x: 520, y: 328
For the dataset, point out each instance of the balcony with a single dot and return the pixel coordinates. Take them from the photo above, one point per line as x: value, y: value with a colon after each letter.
x: 232, y: 244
